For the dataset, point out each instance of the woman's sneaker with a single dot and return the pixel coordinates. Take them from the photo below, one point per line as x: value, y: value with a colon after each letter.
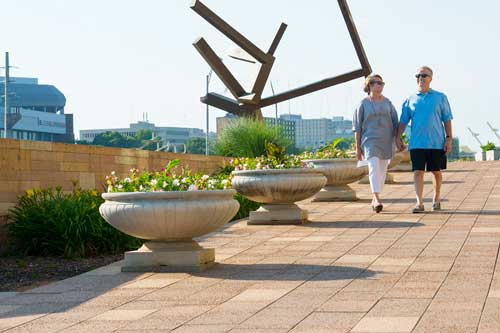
x: 418, y: 209
x: 436, y: 206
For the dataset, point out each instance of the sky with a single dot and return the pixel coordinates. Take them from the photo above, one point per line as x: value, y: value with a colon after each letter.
x: 116, y: 59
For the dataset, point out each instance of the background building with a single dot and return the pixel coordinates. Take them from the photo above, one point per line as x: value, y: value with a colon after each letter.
x: 172, y: 135
x: 455, y: 149
x: 36, y: 112
x: 316, y: 133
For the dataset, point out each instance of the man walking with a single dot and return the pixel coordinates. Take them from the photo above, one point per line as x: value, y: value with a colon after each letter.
x: 430, y: 115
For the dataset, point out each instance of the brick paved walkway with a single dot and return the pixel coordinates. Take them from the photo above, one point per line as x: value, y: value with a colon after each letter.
x: 348, y: 271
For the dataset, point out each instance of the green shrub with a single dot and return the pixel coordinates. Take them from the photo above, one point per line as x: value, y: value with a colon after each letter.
x: 488, y: 146
x: 50, y: 222
x: 246, y: 206
x: 248, y: 138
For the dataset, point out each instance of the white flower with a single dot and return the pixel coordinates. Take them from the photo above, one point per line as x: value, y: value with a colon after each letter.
x: 141, y: 188
x: 225, y: 181
x: 258, y: 166
x: 154, y: 182
x: 113, y: 173
x: 165, y: 184
x: 120, y: 186
x: 127, y: 180
x: 184, y: 180
x: 176, y: 182
x: 205, y: 177
x: 193, y: 188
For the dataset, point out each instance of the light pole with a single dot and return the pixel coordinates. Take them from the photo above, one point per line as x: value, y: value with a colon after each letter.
x: 275, y: 108
x: 209, y: 76
x: 6, y: 95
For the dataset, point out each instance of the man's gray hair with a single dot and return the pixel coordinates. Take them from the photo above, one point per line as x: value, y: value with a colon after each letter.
x: 427, y: 68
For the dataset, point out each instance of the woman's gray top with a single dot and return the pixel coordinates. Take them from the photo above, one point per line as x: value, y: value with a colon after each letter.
x: 377, y: 122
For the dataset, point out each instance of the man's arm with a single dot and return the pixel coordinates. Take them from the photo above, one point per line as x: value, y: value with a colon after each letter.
x: 449, y: 136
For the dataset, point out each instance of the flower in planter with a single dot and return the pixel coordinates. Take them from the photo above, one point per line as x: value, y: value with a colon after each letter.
x: 275, y: 158
x: 328, y: 152
x: 166, y: 180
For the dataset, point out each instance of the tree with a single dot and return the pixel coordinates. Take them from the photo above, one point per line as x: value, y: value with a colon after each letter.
x: 144, y: 134
x: 115, y: 139
x: 346, y: 143
x: 197, y: 146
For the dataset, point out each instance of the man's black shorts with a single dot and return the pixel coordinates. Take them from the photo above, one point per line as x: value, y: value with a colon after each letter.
x: 428, y: 159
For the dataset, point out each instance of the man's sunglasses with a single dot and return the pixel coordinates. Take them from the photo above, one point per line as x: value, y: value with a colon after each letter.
x: 380, y: 83
x: 423, y: 76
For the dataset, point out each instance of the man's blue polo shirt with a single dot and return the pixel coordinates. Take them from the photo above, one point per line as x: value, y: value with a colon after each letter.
x: 427, y: 113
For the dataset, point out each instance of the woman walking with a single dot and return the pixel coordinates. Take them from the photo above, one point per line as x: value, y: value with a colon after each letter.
x: 375, y: 123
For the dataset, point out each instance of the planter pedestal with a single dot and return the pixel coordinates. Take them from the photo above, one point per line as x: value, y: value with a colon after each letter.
x: 176, y: 256
x: 269, y: 214
x: 336, y: 193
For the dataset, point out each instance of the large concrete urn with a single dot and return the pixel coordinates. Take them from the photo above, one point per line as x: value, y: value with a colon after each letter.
x: 405, y: 162
x: 278, y: 190
x: 389, y: 179
x: 169, y: 221
x: 340, y: 172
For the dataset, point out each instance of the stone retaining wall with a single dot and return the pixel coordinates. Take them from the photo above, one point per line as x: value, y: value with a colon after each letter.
x: 31, y: 164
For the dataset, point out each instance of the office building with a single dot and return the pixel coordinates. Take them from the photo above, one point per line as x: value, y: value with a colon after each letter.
x: 36, y: 112
x: 168, y: 135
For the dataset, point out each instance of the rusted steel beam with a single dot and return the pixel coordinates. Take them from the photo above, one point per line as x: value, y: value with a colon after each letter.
x: 310, y: 88
x: 353, y: 32
x: 229, y: 31
x: 219, y: 68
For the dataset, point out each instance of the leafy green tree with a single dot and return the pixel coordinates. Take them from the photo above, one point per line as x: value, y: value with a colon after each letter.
x: 115, y: 139
x: 197, y: 146
x: 346, y: 143
x: 144, y: 134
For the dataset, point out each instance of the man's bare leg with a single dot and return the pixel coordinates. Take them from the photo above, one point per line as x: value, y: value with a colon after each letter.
x: 437, y: 180
x: 418, y: 177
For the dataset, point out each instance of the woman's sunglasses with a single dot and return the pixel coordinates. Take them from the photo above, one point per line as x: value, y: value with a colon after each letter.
x: 423, y: 76
x: 372, y: 83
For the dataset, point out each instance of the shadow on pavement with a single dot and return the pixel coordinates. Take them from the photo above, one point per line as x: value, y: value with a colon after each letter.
x: 285, y: 272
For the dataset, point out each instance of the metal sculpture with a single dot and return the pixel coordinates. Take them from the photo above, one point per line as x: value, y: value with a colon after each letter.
x: 248, y: 104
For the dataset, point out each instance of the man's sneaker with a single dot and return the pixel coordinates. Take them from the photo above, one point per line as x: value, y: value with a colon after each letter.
x: 418, y: 209
x: 436, y: 206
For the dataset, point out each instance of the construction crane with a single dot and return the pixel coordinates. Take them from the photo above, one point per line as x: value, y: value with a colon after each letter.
x: 476, y: 136
x: 495, y: 130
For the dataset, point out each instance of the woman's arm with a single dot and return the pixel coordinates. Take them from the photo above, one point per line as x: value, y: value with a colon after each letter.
x: 359, y: 152
x: 357, y: 125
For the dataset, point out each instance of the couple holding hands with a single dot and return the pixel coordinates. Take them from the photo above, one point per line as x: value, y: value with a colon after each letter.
x: 377, y: 130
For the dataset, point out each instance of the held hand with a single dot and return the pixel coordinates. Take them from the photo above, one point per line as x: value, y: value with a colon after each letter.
x: 400, y: 145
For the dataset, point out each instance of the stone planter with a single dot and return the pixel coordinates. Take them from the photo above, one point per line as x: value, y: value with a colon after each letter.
x: 492, y: 155
x: 169, y: 221
x: 339, y: 172
x: 481, y: 156
x: 278, y: 190
x: 404, y: 163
